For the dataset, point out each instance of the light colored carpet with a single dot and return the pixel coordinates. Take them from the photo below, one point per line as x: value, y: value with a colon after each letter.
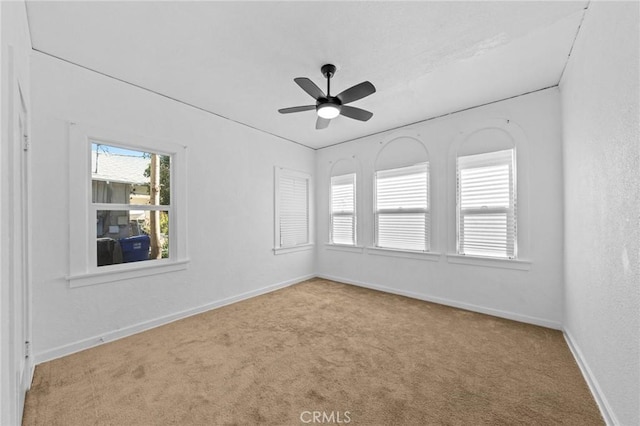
x: 348, y: 353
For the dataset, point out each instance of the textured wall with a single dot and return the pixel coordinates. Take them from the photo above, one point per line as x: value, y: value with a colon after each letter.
x: 599, y: 94
x: 230, y: 175
x: 533, y: 295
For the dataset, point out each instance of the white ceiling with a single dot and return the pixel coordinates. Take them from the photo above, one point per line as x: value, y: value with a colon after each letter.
x: 238, y: 59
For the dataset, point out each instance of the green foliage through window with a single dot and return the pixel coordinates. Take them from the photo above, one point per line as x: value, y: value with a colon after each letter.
x: 165, y: 179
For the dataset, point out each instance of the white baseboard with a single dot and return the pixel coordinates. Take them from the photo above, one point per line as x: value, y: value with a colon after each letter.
x: 25, y: 384
x: 32, y: 370
x: 78, y: 346
x: 110, y: 336
x: 449, y: 302
x: 592, y: 382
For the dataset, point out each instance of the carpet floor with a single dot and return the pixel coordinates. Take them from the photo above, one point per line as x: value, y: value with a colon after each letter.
x: 320, y: 352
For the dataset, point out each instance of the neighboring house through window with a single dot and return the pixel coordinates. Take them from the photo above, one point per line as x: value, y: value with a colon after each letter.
x: 132, y: 204
x: 124, y: 200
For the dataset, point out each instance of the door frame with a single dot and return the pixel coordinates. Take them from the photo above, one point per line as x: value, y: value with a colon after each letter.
x: 18, y: 364
x: 22, y: 145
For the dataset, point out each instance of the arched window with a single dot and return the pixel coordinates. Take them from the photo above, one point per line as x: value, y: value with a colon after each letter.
x: 486, y: 195
x: 343, y: 209
x: 401, y: 196
x: 343, y: 199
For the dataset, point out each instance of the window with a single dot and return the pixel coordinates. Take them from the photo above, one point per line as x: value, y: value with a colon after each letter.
x: 131, y: 203
x: 343, y: 209
x: 292, y: 209
x: 402, y: 218
x: 126, y: 195
x: 486, y: 202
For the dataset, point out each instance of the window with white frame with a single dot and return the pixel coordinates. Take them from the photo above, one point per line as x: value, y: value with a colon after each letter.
x: 343, y: 209
x: 131, y: 203
x: 126, y: 194
x: 486, y: 204
x: 402, y: 216
x: 292, y: 209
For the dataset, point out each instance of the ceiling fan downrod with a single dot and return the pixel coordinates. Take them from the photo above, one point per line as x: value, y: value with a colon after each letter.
x: 328, y: 70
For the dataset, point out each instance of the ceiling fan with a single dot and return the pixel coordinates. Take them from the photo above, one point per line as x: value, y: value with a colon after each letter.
x: 327, y: 106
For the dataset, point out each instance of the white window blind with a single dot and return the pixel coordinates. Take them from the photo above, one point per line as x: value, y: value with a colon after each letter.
x: 402, y: 208
x: 343, y: 209
x: 487, y: 204
x: 293, y: 209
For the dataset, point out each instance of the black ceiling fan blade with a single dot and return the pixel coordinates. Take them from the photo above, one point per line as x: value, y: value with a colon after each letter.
x: 309, y: 87
x: 356, y: 92
x: 322, y: 123
x: 296, y: 109
x: 355, y: 113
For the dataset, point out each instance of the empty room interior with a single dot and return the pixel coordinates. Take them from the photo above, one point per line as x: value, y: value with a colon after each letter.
x: 368, y: 212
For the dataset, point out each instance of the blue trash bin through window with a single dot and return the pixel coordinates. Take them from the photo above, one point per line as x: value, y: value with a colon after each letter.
x: 135, y: 248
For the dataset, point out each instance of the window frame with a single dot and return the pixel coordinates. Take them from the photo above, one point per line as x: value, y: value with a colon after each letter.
x: 427, y: 211
x: 83, y: 269
x: 278, y: 247
x: 353, y: 213
x: 512, y: 210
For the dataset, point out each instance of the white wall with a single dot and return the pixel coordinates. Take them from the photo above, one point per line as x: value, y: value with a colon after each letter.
x: 600, y: 95
x: 231, y: 228
x: 15, y: 369
x: 230, y: 210
x: 533, y: 295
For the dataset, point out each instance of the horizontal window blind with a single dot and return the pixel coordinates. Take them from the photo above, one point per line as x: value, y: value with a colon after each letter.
x: 487, y: 204
x: 402, y: 208
x: 343, y: 209
x: 293, y: 210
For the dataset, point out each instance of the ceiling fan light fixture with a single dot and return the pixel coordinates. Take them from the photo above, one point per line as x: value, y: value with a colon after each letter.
x: 328, y: 111
x: 329, y: 107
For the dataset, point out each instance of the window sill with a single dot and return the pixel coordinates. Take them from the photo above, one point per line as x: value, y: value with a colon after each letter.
x: 420, y: 255
x: 285, y: 250
x: 344, y: 247
x: 121, y: 273
x: 522, y: 265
